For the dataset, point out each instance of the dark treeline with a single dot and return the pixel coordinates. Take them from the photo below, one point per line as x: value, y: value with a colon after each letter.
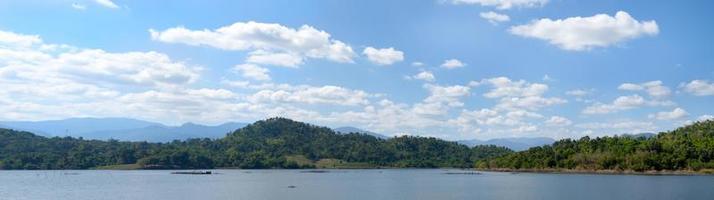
x: 687, y: 148
x: 264, y: 144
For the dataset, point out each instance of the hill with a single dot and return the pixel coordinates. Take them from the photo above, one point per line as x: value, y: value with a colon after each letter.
x: 688, y: 148
x: 271, y: 143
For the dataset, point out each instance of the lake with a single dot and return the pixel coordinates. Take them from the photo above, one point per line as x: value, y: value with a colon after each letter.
x: 439, y: 184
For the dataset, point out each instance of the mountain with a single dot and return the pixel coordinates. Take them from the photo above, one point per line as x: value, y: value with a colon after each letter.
x: 349, y: 129
x: 161, y: 133
x: 75, y: 126
x: 516, y: 143
x: 121, y: 129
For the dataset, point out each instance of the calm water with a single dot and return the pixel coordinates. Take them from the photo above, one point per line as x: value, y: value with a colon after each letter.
x: 345, y: 184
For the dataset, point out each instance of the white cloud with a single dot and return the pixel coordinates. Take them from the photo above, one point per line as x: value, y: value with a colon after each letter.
x: 494, y: 17
x: 653, y: 88
x: 520, y: 94
x: 619, y: 104
x: 13, y: 41
x: 630, y: 87
x: 558, y: 121
x: 306, y: 41
x: 505, y: 87
x: 50, y: 81
x: 705, y: 117
x: 334, y: 95
x: 386, y: 56
x: 699, y: 88
x: 417, y: 64
x: 79, y: 6
x: 441, y: 98
x: 452, y: 64
x: 424, y: 75
x: 583, y: 33
x: 252, y: 71
x: 504, y: 4
x: 107, y: 3
x: 277, y: 59
x: 28, y: 58
x: 676, y: 114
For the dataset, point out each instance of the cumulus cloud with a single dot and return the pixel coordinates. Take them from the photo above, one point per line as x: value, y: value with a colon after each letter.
x: 583, y: 33
x: 329, y: 94
x: 504, y: 4
x: 386, y: 56
x: 276, y: 59
x: 653, y: 88
x: 676, y: 114
x: 494, y: 17
x: 46, y: 81
x: 441, y: 98
x: 619, y: 104
x: 520, y: 94
x: 452, y: 64
x: 271, y: 41
x: 424, y: 75
x: 699, y: 88
x: 252, y: 71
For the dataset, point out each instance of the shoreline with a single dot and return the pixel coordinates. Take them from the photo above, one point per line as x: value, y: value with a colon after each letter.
x: 603, y: 172
x: 502, y: 170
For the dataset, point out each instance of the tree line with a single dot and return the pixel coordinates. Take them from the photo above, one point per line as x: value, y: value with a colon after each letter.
x: 686, y: 148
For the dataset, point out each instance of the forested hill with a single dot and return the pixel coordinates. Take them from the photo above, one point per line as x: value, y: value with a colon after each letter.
x: 687, y: 148
x: 271, y: 143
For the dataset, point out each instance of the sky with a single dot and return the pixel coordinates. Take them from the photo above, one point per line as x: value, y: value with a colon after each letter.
x: 454, y: 69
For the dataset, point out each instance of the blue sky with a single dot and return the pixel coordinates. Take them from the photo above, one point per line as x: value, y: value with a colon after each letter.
x: 456, y: 69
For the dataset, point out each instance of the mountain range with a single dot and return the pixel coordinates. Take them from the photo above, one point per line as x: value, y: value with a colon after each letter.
x: 123, y: 129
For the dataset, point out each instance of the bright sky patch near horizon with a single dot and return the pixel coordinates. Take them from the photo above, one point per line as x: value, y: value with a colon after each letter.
x: 455, y: 69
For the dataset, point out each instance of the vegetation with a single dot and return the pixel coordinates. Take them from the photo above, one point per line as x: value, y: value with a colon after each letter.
x: 271, y: 143
x: 688, y: 148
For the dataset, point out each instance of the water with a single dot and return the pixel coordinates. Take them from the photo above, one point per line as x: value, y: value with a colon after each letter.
x: 345, y: 184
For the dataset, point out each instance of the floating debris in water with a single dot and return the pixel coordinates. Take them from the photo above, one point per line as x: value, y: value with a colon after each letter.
x: 315, y: 171
x: 194, y: 173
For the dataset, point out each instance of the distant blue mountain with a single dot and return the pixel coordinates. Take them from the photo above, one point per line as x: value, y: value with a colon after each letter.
x: 123, y: 129
x: 516, y: 143
x: 349, y: 129
x: 74, y: 126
